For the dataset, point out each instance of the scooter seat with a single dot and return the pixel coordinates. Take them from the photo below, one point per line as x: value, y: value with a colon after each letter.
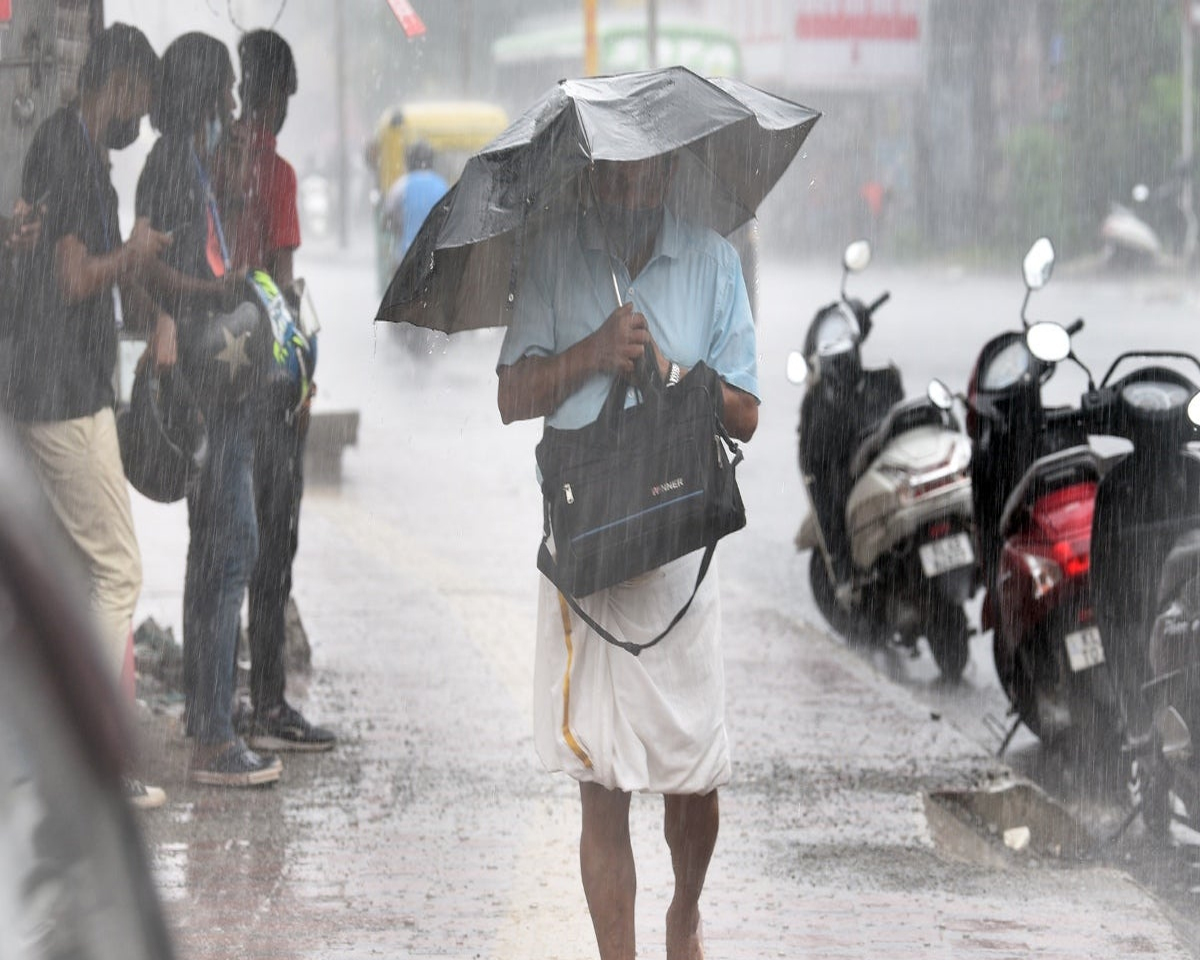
x: 1182, y: 563
x: 904, y: 416
x: 1072, y: 465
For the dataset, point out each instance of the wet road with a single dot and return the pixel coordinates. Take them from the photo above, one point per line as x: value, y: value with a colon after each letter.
x: 432, y: 831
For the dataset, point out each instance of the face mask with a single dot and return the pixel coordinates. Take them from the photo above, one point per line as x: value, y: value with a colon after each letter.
x: 119, y: 134
x: 212, y: 134
x: 628, y: 232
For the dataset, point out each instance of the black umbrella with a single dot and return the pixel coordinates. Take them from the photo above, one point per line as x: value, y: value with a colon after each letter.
x: 732, y: 143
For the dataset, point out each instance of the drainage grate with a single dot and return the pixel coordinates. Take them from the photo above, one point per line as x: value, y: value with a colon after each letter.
x: 989, y: 826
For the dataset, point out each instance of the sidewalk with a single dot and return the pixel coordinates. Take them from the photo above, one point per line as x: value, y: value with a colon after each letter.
x: 432, y: 832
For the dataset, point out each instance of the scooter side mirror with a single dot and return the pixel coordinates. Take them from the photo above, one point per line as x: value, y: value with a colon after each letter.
x: 1038, y: 264
x: 1049, y: 342
x: 1141, y: 193
x: 797, y: 368
x: 1193, y: 410
x: 857, y: 256
x: 940, y: 395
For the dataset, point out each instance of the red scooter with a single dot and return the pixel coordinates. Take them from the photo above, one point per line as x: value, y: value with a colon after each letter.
x: 1034, y: 479
x: 1046, y: 644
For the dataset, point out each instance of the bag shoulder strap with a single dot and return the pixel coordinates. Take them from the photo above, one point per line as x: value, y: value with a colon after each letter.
x: 547, y: 566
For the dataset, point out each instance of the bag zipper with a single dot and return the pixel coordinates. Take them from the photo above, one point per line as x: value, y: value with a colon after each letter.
x: 569, y: 493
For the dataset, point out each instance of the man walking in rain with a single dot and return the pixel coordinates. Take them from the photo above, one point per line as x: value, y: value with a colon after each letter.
x: 615, y: 722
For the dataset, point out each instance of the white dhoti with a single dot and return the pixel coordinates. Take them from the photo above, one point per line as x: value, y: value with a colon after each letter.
x: 654, y: 722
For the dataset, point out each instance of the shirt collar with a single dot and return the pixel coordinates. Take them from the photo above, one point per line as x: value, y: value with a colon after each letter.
x: 666, y: 244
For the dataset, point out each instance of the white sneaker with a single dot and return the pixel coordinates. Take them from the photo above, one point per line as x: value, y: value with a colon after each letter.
x: 142, y: 795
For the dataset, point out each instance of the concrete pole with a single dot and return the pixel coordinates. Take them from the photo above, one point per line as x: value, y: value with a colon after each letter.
x: 1187, y: 147
x: 343, y: 170
x: 652, y: 34
x: 591, y: 52
x: 467, y: 41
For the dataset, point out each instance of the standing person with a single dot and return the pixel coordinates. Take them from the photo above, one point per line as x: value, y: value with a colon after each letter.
x: 266, y: 234
x: 76, y: 286
x: 618, y: 723
x: 412, y: 196
x: 194, y: 107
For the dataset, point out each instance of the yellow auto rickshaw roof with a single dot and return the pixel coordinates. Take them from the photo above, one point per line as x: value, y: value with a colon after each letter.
x: 445, y: 124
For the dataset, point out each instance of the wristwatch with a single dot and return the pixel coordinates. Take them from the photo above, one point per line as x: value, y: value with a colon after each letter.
x: 673, y: 374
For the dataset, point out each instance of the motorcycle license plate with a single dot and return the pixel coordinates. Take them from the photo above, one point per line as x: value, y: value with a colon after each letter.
x: 1085, y: 649
x: 949, y: 553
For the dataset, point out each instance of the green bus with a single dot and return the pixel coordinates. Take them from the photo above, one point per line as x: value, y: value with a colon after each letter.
x: 528, y: 61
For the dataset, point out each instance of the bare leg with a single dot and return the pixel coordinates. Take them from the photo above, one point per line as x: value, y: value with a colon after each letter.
x: 606, y: 863
x: 690, y: 824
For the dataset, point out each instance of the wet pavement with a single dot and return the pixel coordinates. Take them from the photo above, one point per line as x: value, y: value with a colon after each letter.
x: 432, y: 831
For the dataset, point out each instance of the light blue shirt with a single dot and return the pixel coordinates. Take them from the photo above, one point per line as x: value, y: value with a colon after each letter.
x: 410, y: 200
x: 691, y: 292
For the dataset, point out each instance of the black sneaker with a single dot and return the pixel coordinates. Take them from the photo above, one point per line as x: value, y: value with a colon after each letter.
x: 237, y: 766
x: 285, y: 728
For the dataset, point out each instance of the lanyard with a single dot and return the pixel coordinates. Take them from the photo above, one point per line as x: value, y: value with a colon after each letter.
x: 211, y: 201
x: 94, y: 156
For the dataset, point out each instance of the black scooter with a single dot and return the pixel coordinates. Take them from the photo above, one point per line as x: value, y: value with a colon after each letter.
x: 1145, y: 561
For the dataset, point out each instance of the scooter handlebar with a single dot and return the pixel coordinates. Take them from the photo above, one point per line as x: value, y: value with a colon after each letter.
x: 879, y: 302
x: 1062, y: 417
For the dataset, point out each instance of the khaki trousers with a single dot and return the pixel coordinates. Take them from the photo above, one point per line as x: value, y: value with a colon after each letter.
x: 79, y: 464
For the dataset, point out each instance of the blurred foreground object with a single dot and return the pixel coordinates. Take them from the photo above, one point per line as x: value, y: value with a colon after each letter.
x: 74, y: 879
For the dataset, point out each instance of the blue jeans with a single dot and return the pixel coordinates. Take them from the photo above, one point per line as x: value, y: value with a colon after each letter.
x: 221, y: 553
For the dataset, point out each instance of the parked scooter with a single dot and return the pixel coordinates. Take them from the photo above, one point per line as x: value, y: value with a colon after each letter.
x: 1153, y: 230
x: 1168, y: 763
x: 1034, y: 480
x: 890, y: 526
x: 1146, y: 566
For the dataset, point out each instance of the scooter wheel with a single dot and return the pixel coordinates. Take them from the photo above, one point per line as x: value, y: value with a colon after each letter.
x: 839, y: 618
x: 1150, y: 787
x: 949, y: 636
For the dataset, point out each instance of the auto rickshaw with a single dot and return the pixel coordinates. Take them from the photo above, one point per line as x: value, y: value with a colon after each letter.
x: 455, y: 129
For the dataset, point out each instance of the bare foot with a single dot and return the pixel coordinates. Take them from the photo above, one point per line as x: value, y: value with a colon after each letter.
x: 685, y: 936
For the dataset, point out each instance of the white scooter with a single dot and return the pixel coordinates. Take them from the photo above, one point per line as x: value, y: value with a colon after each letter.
x: 888, y: 481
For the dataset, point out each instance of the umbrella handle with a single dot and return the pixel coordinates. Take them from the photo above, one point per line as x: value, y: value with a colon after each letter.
x: 616, y: 286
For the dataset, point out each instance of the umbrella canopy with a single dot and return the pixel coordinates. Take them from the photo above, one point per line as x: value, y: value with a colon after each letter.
x: 732, y: 143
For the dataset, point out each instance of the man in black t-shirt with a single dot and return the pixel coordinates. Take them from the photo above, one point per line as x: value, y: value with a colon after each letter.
x: 76, y: 287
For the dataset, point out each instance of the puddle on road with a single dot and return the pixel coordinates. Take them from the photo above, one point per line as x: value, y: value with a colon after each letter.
x: 995, y: 826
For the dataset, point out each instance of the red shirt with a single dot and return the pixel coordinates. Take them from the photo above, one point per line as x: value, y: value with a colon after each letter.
x: 267, y: 218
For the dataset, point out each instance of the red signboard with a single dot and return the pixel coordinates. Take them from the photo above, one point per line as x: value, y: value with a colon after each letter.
x: 860, y: 22
x: 816, y: 45
x: 412, y: 24
x: 5, y: 11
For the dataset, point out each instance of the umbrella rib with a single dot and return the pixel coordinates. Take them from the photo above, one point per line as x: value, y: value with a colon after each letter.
x: 729, y: 192
x: 579, y: 126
